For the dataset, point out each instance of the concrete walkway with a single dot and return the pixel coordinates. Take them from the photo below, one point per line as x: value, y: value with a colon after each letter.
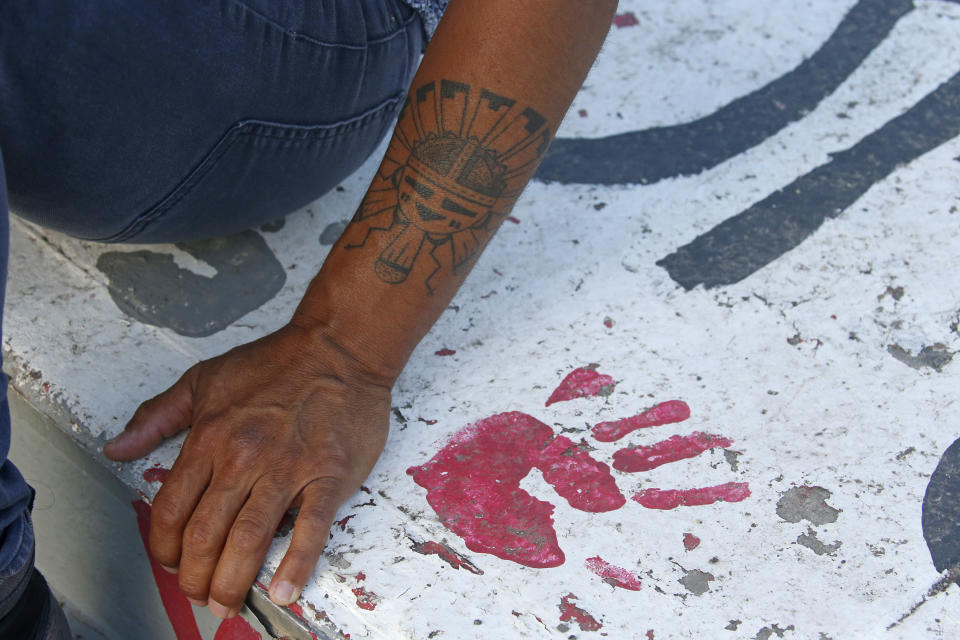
x: 731, y: 300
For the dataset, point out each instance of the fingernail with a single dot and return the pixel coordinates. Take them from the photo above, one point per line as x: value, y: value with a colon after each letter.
x: 197, y: 603
x: 219, y: 610
x: 284, y: 593
x: 169, y: 569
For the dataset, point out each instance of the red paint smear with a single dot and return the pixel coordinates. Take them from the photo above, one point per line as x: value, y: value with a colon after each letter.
x: 156, y: 473
x: 690, y: 541
x: 649, y: 634
x: 446, y: 554
x: 613, y: 575
x: 627, y: 19
x: 608, y: 323
x: 570, y: 611
x: 360, y: 577
x: 297, y: 610
x: 513, y: 220
x: 664, y: 413
x: 365, y: 599
x: 580, y: 383
x: 473, y: 484
x: 236, y: 628
x: 343, y: 523
x: 669, y: 450
x: 444, y: 352
x: 178, y: 608
x: 670, y: 499
x: 582, y: 113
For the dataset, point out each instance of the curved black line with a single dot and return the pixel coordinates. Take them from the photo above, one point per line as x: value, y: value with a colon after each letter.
x: 685, y: 149
x: 941, y: 511
x: 743, y: 244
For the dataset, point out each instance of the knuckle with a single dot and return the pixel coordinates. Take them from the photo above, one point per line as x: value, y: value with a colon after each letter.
x: 193, y: 586
x: 327, y: 485
x: 247, y: 445
x: 227, y: 594
x: 165, y: 515
x: 143, y: 410
x: 201, y: 539
x: 250, y: 534
x: 333, y: 464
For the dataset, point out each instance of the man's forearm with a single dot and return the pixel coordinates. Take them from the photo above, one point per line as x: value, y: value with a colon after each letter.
x: 495, y: 82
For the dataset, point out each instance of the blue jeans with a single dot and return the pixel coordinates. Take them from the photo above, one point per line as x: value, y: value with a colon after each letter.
x: 181, y: 120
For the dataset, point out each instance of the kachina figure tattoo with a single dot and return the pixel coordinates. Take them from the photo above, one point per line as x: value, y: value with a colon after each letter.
x: 456, y: 163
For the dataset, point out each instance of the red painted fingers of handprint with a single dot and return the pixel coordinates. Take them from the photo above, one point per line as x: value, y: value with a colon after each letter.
x: 673, y: 498
x: 473, y: 484
x: 581, y: 383
x: 673, y: 449
x: 663, y: 413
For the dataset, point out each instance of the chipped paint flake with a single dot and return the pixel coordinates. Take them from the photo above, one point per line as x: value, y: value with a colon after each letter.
x: 613, y: 575
x: 446, y: 554
x: 571, y: 612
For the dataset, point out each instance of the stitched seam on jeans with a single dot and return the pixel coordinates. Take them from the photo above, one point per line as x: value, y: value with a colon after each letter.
x: 247, y: 128
x: 342, y: 45
x: 260, y: 129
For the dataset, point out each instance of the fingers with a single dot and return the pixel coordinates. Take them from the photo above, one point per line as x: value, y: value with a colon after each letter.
x: 175, y: 502
x: 320, y: 500
x: 204, y: 537
x: 247, y: 544
x: 155, y: 420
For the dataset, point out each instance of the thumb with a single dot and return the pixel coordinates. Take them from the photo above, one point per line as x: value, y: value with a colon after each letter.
x: 155, y: 420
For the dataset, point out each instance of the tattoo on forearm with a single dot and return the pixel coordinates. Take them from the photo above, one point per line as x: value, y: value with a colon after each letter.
x: 456, y: 163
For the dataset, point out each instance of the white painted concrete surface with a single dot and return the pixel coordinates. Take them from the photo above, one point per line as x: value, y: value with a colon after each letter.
x: 792, y: 363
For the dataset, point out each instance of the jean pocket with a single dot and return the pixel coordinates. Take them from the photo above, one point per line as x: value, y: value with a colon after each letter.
x: 259, y: 171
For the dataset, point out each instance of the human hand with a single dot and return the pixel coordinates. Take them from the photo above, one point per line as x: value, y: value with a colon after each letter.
x: 289, y: 420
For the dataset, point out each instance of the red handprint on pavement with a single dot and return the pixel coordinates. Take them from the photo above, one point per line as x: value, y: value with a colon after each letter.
x: 473, y: 483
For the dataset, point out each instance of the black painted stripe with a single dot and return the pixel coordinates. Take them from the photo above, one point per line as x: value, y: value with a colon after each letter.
x: 741, y: 245
x: 664, y: 152
x: 941, y: 511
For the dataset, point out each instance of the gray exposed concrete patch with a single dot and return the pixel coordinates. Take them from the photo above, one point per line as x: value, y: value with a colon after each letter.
x: 812, y: 542
x: 733, y: 625
x: 768, y: 632
x: 696, y: 582
x: 731, y: 457
x: 806, y: 503
x: 332, y: 232
x: 935, y: 357
x: 337, y: 560
x: 150, y: 287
